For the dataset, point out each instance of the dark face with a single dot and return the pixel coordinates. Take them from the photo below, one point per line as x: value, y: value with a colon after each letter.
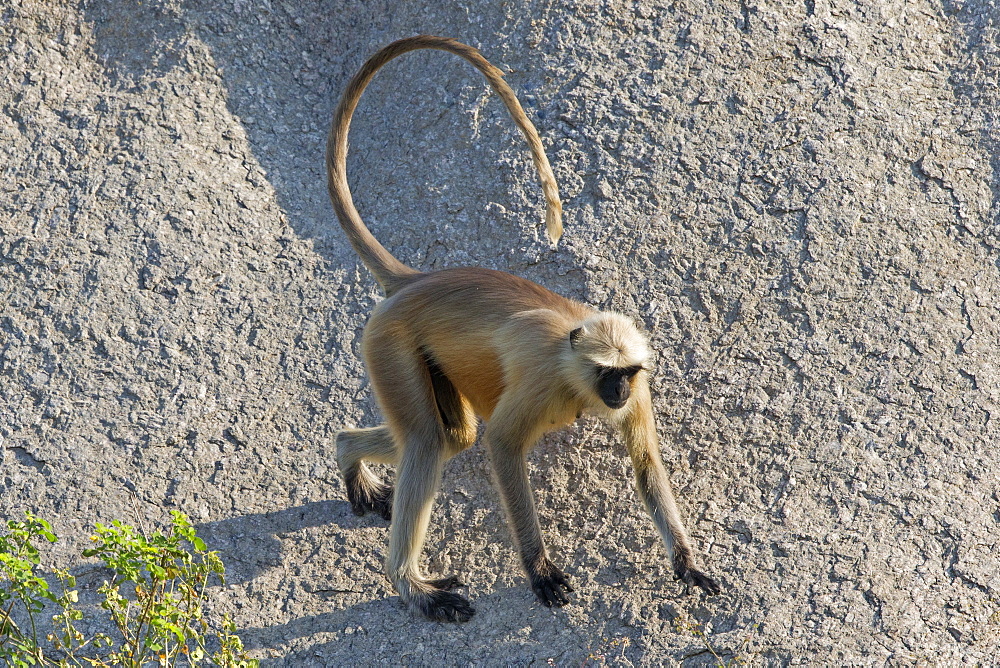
x: 614, y: 385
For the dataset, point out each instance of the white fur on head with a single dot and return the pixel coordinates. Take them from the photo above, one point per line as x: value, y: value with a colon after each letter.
x: 611, y: 340
x: 607, y: 340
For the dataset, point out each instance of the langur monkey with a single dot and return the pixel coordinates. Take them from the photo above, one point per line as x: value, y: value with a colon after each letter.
x: 449, y: 346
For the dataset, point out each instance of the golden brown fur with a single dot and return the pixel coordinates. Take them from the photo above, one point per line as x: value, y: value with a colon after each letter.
x: 447, y: 347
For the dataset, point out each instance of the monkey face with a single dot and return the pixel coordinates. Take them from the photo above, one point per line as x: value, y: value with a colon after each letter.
x: 615, y: 385
x: 607, y: 351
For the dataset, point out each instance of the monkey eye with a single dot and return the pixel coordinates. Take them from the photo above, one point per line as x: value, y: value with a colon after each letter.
x: 629, y: 372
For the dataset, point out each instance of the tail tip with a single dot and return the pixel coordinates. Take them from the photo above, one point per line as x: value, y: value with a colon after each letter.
x: 553, y: 222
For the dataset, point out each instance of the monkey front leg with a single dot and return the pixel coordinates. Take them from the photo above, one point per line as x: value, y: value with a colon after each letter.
x: 507, y: 451
x: 653, y: 485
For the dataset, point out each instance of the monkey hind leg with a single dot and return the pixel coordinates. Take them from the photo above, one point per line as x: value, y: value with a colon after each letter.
x: 365, y: 490
x: 415, y: 397
x: 418, y: 478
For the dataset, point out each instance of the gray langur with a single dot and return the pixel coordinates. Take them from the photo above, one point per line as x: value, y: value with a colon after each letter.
x: 449, y: 346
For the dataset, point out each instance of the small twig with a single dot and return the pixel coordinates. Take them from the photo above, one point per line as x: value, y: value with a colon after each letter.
x: 143, y: 619
x: 8, y: 623
x: 31, y: 618
x: 138, y: 518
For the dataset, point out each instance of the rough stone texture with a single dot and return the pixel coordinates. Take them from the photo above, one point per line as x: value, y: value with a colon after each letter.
x: 799, y: 200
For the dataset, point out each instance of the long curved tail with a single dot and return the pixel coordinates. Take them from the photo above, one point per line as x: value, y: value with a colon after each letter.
x: 390, y: 272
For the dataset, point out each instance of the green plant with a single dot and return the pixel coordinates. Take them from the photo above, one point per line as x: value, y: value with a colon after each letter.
x: 155, y: 599
x: 24, y: 587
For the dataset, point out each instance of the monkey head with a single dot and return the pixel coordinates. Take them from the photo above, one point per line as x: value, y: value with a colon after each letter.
x: 608, y: 353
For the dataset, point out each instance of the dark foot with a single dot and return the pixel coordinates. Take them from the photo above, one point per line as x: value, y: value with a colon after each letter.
x: 366, y: 498
x: 443, y: 606
x: 550, y: 585
x: 447, y: 584
x: 698, y: 579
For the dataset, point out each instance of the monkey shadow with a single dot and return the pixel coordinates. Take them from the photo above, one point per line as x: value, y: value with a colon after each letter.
x: 361, y: 629
x: 270, y: 68
x: 135, y: 40
x: 283, y: 70
x: 249, y: 544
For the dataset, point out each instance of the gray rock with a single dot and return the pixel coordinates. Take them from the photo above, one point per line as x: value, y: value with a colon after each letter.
x: 799, y: 201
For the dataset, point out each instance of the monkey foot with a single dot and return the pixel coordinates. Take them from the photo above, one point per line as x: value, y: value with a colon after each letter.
x: 447, y: 583
x: 366, y: 499
x: 551, y: 586
x: 440, y: 605
x: 698, y: 579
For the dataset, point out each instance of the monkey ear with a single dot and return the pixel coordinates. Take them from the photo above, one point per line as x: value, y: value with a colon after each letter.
x: 574, y: 336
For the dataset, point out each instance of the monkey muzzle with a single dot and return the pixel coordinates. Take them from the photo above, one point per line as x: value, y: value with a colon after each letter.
x: 614, y: 389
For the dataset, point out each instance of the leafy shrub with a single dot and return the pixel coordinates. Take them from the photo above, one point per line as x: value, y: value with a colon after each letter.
x: 155, y: 600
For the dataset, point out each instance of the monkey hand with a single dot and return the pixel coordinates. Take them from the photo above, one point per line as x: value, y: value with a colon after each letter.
x: 550, y: 585
x: 695, y: 577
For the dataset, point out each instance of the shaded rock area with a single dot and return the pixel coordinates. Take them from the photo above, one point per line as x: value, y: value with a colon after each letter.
x: 798, y: 200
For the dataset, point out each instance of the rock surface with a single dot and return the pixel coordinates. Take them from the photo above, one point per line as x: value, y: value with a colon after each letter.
x: 799, y: 201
